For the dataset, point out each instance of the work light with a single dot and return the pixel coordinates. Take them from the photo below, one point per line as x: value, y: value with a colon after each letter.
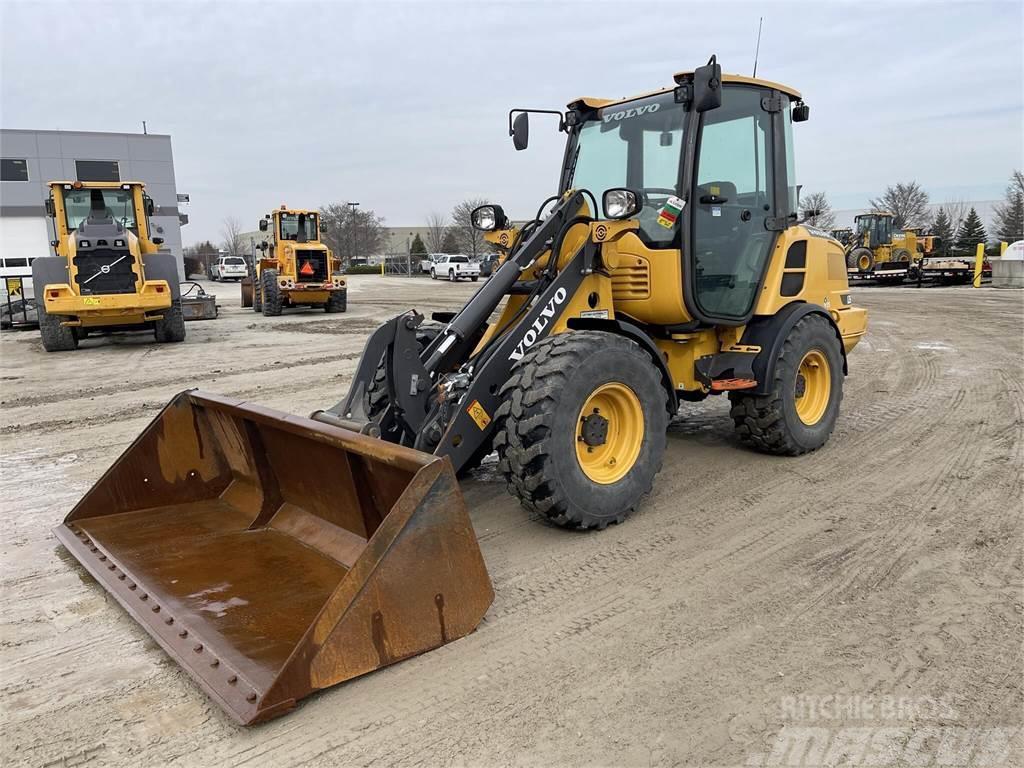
x: 620, y: 203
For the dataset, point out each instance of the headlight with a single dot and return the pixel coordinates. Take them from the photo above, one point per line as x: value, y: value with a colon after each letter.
x: 83, y: 243
x: 487, y: 218
x: 620, y: 203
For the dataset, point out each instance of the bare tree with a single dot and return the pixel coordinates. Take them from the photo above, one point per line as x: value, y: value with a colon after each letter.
x: 907, y: 202
x: 231, y: 233
x: 470, y: 240
x: 351, y: 232
x: 817, y: 211
x: 437, y: 225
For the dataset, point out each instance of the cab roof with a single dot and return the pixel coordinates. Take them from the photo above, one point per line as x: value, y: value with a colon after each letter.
x: 97, y: 184
x: 598, y: 103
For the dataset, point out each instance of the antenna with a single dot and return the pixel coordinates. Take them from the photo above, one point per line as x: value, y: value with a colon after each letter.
x: 757, y: 50
x: 755, y: 70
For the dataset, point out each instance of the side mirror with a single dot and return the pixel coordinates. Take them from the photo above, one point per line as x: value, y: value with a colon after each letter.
x: 158, y: 241
x: 263, y: 225
x: 521, y: 131
x: 50, y: 209
x: 150, y: 207
x: 488, y: 218
x: 707, y: 86
x: 800, y: 113
x: 620, y: 203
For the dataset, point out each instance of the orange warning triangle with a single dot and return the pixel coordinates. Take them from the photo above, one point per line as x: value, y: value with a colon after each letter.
x: 307, y: 268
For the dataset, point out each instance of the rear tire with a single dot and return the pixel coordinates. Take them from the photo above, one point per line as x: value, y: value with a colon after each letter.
x: 270, y: 299
x: 540, y: 429
x: 773, y: 423
x: 337, y: 301
x: 474, y: 278
x: 171, y: 328
x: 451, y: 276
x: 56, y: 337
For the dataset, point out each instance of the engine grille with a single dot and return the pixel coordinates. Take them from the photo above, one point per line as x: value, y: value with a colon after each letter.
x: 631, y: 282
x: 310, y: 266
x: 93, y: 281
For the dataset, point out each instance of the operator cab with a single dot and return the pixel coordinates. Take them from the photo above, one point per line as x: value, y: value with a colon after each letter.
x: 875, y: 227
x: 709, y: 166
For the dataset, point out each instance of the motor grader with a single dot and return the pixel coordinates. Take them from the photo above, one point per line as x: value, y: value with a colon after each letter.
x: 108, y: 273
x: 295, y: 268
x: 274, y: 555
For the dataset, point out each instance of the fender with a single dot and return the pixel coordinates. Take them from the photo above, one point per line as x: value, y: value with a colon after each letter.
x: 770, y: 334
x: 637, y: 334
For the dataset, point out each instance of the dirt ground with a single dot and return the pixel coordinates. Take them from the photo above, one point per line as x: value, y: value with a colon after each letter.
x: 874, y: 584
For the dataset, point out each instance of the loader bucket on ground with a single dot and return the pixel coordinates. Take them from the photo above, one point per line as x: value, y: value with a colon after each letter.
x: 272, y: 555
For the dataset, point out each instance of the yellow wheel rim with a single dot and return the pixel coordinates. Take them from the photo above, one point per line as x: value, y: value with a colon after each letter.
x: 864, y: 262
x: 609, y: 433
x: 813, y: 387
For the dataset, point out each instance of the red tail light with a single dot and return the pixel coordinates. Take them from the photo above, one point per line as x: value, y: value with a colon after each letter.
x: 159, y: 289
x: 54, y: 294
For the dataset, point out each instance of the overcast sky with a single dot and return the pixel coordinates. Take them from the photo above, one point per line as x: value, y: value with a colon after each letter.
x: 402, y: 106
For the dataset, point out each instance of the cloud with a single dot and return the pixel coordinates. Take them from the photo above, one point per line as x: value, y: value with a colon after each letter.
x: 402, y: 106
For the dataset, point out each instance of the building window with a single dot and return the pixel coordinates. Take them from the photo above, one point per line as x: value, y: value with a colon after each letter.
x: 97, y: 170
x: 13, y: 170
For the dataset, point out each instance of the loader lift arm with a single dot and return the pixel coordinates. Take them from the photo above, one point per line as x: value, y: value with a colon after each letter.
x: 413, y: 416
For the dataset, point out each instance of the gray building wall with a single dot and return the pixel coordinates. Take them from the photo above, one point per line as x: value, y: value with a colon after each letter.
x: 51, y: 155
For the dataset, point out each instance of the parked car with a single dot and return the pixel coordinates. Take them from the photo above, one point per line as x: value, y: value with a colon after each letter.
x: 228, y: 268
x: 429, y: 260
x: 455, y: 268
x: 489, y: 263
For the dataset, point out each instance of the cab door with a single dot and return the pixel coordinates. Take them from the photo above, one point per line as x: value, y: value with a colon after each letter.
x: 733, y: 206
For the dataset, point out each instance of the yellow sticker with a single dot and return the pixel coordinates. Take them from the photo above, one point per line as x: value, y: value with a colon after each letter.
x: 716, y: 191
x: 91, y: 302
x: 14, y: 286
x: 478, y: 414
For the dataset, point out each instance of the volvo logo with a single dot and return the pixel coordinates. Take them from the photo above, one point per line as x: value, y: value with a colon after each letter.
x: 626, y: 114
x: 542, y: 322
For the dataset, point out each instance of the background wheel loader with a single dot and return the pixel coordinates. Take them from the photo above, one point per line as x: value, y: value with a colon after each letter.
x: 875, y: 250
x: 108, y: 273
x: 274, y: 555
x: 295, y: 268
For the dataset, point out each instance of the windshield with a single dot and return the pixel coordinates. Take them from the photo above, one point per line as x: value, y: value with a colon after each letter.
x: 459, y: 260
x: 292, y: 223
x: 114, y: 203
x: 637, y: 145
x: 234, y: 260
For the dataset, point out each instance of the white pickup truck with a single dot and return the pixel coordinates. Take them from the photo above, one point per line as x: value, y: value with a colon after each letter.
x: 455, y: 268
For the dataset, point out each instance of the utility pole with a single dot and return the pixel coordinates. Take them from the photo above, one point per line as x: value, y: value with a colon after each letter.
x: 352, y: 230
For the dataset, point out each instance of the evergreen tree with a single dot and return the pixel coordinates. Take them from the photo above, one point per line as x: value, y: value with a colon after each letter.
x: 1009, y: 218
x: 943, y: 229
x: 450, y: 244
x: 418, y: 248
x: 972, y: 232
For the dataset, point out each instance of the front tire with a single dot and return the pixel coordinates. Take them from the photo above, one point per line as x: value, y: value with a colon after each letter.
x: 337, y: 301
x: 862, y: 259
x: 800, y: 412
x: 271, y: 293
x: 581, y: 432
x: 170, y: 328
x: 433, y: 274
x: 56, y: 337
x: 451, y: 276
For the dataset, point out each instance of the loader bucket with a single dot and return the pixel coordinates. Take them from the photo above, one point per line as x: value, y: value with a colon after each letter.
x: 272, y: 555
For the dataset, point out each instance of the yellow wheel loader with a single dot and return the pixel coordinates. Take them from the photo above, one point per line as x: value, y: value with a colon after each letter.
x: 296, y: 268
x: 274, y: 555
x: 108, y: 273
x: 875, y: 250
